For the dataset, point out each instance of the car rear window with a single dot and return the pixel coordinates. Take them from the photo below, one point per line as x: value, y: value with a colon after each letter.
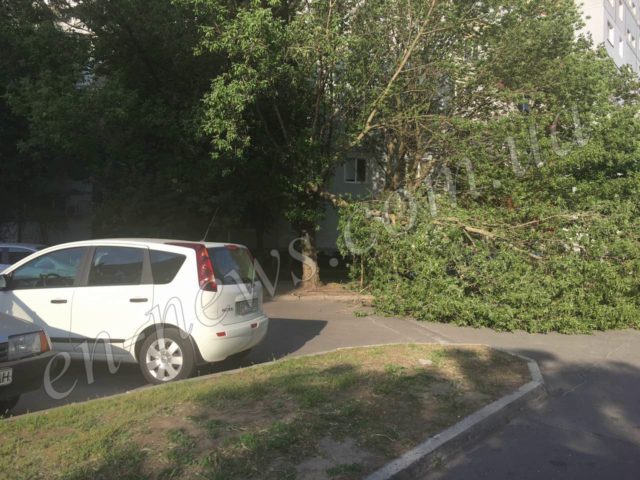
x: 165, y: 266
x: 231, y: 264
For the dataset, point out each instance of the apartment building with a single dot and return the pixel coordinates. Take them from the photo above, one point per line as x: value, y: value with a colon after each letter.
x: 616, y: 24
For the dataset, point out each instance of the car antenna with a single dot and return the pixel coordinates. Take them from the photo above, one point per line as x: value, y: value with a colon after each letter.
x: 210, y: 223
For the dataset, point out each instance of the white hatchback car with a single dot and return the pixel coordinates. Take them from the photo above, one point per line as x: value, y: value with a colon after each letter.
x: 167, y: 305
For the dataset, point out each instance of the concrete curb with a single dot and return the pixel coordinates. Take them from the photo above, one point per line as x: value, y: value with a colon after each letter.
x: 292, y: 297
x: 430, y: 453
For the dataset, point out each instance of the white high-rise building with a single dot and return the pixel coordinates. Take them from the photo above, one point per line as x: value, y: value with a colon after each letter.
x: 616, y: 24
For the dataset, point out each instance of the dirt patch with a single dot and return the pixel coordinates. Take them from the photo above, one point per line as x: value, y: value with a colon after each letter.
x: 333, y: 291
x: 337, y: 459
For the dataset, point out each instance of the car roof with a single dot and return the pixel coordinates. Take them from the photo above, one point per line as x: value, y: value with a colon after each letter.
x: 139, y: 241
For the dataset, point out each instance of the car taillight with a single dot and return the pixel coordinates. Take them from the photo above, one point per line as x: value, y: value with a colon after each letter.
x: 45, y: 344
x: 206, y: 275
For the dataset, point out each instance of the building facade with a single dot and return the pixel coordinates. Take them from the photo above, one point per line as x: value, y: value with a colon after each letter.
x: 357, y: 177
x: 616, y: 24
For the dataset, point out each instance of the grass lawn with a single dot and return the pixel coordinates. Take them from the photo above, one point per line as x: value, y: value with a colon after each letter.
x: 336, y: 416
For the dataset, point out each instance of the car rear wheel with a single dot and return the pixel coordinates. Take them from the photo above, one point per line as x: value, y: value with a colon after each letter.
x: 6, y: 404
x: 165, y: 357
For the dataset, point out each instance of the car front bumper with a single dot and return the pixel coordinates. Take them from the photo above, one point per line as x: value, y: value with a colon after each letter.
x: 27, y: 374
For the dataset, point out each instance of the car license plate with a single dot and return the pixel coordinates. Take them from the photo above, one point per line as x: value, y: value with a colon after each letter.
x: 245, y: 308
x: 6, y: 376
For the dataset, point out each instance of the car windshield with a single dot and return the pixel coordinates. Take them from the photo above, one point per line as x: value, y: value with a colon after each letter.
x: 231, y: 264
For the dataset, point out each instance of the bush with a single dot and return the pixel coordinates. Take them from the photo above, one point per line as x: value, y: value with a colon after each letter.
x: 570, y: 273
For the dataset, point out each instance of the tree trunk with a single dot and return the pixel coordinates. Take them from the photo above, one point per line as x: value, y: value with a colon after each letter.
x: 310, y: 268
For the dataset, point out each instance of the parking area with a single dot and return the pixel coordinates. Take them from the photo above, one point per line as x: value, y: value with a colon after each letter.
x: 297, y: 327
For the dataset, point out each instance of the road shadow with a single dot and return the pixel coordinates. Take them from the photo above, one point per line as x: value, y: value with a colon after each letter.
x: 588, y: 428
x: 285, y: 337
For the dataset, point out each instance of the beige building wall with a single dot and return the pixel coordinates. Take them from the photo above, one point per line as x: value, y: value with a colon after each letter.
x: 616, y: 25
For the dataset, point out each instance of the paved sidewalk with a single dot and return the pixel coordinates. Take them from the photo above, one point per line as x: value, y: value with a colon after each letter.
x: 311, y: 326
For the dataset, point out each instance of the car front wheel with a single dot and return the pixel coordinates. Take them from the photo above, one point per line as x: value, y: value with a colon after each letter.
x: 165, y: 357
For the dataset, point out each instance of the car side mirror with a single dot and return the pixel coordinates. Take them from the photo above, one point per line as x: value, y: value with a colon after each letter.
x: 4, y: 282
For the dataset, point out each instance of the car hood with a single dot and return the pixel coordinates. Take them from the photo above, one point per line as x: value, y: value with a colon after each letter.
x: 10, y: 325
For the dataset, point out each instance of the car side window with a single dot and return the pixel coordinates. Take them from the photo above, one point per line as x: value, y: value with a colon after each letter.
x: 52, y: 270
x: 165, y: 265
x: 113, y: 266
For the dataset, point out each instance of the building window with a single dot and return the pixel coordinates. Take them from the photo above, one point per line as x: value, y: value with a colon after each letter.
x: 620, y: 10
x: 621, y: 47
x: 355, y: 170
x: 610, y: 33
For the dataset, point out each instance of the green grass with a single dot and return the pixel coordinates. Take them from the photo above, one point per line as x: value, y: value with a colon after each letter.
x: 345, y: 469
x: 263, y: 422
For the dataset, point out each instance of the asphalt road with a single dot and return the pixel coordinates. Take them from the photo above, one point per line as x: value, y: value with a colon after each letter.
x: 587, y: 429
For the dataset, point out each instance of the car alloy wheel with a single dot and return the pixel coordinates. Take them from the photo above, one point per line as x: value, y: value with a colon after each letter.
x: 166, y: 356
x: 164, y: 359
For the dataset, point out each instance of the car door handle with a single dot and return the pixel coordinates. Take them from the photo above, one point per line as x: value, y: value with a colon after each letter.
x: 138, y: 300
x: 58, y: 301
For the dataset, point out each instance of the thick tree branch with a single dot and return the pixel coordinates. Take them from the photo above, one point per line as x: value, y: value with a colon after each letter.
x: 405, y: 58
x: 470, y: 230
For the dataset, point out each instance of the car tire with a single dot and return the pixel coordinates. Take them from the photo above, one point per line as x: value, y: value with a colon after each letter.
x: 6, y: 404
x: 165, y: 356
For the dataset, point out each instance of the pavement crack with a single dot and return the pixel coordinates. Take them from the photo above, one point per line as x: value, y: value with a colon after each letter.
x: 442, y: 340
x: 397, y: 332
x: 618, y: 348
x: 573, y: 388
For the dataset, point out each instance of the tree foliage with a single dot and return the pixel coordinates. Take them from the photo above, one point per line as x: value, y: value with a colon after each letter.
x: 524, y: 190
x: 36, y: 91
